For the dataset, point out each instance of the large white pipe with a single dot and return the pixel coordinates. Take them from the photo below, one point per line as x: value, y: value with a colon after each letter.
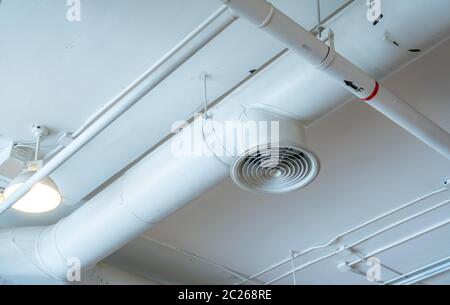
x: 154, y: 188
x: 151, y: 190
x: 169, y: 63
x: 266, y: 16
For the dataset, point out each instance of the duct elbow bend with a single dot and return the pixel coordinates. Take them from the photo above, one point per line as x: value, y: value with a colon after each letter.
x: 25, y: 247
x: 78, y: 242
x: 35, y: 255
x: 48, y: 256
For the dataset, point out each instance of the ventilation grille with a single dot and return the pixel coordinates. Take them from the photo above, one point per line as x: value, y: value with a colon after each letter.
x: 274, y: 170
x: 22, y: 153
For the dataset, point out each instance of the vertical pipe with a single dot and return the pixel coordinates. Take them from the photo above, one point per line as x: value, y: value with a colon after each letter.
x: 38, y: 147
x: 319, y: 18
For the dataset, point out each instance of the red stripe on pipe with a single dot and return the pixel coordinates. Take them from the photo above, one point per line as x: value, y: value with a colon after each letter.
x: 374, y: 93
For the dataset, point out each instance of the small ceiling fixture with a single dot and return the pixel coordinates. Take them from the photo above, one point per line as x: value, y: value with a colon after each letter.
x: 280, y: 162
x: 44, y: 196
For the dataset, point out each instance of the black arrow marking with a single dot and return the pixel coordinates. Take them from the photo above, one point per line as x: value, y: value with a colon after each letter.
x: 353, y: 86
x: 378, y: 20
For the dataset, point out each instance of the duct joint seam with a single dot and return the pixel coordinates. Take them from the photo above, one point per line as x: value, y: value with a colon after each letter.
x: 268, y: 18
x: 127, y: 206
x: 331, y: 52
x: 44, y: 267
x: 37, y: 261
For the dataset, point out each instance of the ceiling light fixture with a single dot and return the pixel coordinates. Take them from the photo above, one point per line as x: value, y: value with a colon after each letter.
x: 44, y: 196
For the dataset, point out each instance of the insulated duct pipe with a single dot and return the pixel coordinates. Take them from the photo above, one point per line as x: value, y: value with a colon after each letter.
x: 192, y: 162
x: 151, y: 190
x: 169, y: 63
x: 274, y: 22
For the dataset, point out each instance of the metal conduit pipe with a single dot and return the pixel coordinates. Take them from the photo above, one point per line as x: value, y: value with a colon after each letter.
x: 403, y: 240
x: 196, y: 40
x: 422, y: 273
x: 397, y: 223
x: 371, y: 254
x: 354, y: 229
x: 277, y: 24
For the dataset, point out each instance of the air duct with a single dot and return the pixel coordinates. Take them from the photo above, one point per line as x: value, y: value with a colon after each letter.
x: 155, y: 187
x: 150, y: 191
x: 126, y: 209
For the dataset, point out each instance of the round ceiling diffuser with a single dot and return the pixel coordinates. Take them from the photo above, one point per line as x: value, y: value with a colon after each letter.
x: 280, y: 166
x: 258, y: 172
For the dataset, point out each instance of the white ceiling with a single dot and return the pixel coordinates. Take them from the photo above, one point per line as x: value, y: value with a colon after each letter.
x: 58, y: 73
x: 369, y: 166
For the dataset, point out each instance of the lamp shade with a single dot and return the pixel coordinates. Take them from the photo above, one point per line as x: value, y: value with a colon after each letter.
x: 43, y: 197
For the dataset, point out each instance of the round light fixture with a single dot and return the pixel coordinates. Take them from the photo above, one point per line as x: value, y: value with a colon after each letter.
x: 43, y: 197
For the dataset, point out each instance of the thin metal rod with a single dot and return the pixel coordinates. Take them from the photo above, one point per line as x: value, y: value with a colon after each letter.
x: 310, y: 263
x: 426, y: 275
x: 319, y: 18
x: 293, y: 268
x: 333, y: 15
x: 362, y: 256
x: 205, y: 94
x: 379, y: 232
x: 38, y: 147
x: 398, y: 223
x: 193, y: 255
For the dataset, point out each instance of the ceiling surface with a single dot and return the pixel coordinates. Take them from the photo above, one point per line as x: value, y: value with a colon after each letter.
x: 58, y: 73
x: 368, y: 166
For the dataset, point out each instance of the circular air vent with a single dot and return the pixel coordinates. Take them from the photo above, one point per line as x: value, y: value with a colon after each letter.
x: 274, y: 170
